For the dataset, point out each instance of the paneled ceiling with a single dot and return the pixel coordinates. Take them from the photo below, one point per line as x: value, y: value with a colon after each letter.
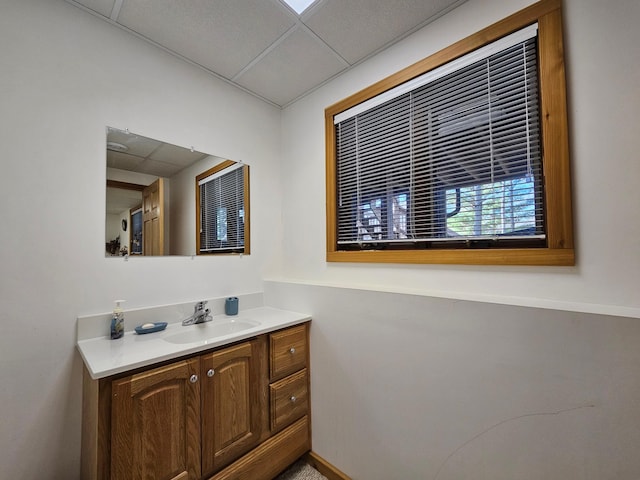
x: 263, y: 46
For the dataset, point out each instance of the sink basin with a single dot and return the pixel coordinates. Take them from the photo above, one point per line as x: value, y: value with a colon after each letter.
x: 207, y: 332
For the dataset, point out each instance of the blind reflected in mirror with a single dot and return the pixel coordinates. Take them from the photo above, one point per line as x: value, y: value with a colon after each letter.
x: 152, y: 208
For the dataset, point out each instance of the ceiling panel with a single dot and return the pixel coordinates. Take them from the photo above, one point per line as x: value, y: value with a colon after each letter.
x: 128, y: 151
x: 177, y: 155
x: 358, y: 28
x: 119, y: 200
x: 288, y: 71
x: 133, y: 144
x: 262, y: 46
x: 123, y: 161
x: 159, y: 169
x: 222, y: 35
x: 103, y: 7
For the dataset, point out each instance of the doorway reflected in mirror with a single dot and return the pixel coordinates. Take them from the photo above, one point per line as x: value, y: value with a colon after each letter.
x: 151, y: 188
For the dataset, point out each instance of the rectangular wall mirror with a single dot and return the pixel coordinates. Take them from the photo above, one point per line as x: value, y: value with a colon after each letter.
x: 162, y: 199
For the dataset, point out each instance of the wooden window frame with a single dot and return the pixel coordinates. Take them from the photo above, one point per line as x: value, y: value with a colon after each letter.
x: 247, y: 224
x: 559, y: 249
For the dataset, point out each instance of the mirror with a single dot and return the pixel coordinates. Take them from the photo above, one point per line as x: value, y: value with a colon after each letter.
x: 153, y: 191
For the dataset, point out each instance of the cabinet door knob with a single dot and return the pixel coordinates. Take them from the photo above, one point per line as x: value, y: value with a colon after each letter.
x: 293, y: 399
x: 292, y: 350
x: 211, y: 372
x: 193, y: 378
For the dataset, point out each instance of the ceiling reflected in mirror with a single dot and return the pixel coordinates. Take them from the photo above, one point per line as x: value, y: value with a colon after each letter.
x: 151, y: 182
x: 128, y: 151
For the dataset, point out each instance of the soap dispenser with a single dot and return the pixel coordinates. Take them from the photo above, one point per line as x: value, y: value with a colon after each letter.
x: 117, y: 321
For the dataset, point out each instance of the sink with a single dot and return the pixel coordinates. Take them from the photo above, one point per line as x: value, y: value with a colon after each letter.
x: 206, y: 332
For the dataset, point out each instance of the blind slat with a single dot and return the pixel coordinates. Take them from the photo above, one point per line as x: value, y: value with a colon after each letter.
x: 222, y: 211
x: 457, y: 156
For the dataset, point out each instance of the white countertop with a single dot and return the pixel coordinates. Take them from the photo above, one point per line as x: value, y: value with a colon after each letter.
x: 104, y: 357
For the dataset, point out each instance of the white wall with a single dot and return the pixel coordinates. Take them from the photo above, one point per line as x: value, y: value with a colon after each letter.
x: 466, y: 378
x: 64, y: 77
x: 183, y: 189
x: 421, y: 388
x: 603, y: 100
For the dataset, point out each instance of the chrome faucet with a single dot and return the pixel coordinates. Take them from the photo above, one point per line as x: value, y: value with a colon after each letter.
x: 200, y: 315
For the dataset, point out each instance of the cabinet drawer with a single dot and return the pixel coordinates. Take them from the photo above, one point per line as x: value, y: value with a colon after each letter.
x: 288, y: 351
x: 289, y: 400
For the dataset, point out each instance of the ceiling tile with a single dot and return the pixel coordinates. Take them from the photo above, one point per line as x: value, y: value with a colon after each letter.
x: 123, y: 161
x: 103, y: 7
x: 297, y: 64
x: 135, y: 144
x: 160, y: 169
x: 119, y: 200
x: 262, y: 46
x: 146, y: 155
x: 183, y: 157
x: 222, y: 35
x: 358, y: 28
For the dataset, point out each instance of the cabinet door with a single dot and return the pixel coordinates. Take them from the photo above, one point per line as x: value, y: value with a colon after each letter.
x: 233, y: 401
x: 155, y: 424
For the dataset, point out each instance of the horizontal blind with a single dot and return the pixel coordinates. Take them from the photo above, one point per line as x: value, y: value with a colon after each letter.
x: 456, y: 158
x: 481, y: 53
x: 222, y: 211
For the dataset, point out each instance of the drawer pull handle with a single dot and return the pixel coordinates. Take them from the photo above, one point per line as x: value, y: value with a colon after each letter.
x: 292, y: 350
x: 211, y: 372
x: 193, y: 378
x: 293, y: 399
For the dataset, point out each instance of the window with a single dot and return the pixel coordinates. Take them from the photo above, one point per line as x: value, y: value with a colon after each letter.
x: 222, y: 205
x: 461, y: 158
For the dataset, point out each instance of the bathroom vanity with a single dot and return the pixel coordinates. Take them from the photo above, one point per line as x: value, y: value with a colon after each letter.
x: 191, y: 404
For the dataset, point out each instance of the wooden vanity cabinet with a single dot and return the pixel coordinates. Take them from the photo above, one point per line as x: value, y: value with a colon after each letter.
x: 233, y: 402
x: 289, y: 387
x: 155, y: 423
x: 237, y: 412
x: 289, y: 424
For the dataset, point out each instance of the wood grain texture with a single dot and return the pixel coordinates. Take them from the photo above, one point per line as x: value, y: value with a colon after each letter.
x: 153, y: 215
x: 555, y: 131
x: 247, y: 211
x: 533, y: 256
x: 156, y: 424
x: 96, y: 428
x: 288, y: 351
x: 247, y: 206
x: 289, y: 400
x: 560, y: 248
x: 232, y: 406
x: 324, y: 467
x: 272, y: 456
x: 125, y: 185
x: 216, y: 168
x: 90, y: 411
x: 308, y: 366
x: 503, y: 27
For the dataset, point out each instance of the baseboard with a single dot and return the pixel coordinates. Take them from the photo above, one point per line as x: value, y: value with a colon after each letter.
x: 324, y: 467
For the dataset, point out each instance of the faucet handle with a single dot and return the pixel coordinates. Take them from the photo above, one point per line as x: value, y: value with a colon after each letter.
x: 200, y: 305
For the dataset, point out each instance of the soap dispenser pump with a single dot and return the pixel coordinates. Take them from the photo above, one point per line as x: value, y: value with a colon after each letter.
x: 117, y: 321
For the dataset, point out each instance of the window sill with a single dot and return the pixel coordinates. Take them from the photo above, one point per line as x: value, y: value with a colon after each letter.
x: 515, y: 256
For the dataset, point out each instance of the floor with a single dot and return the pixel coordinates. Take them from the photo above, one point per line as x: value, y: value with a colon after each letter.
x: 301, y: 471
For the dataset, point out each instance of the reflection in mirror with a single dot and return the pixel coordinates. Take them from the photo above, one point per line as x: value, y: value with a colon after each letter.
x: 151, y: 199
